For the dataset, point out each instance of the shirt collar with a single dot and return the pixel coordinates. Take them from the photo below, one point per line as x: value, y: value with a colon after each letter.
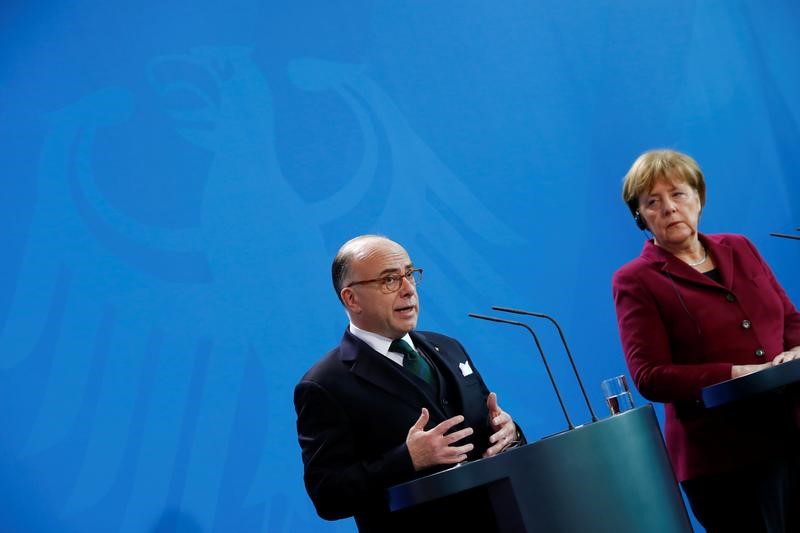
x: 379, y: 343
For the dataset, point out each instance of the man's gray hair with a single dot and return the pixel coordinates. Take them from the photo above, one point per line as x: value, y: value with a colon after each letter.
x: 344, y: 257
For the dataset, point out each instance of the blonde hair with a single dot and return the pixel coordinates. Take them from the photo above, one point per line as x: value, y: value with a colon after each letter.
x: 656, y: 165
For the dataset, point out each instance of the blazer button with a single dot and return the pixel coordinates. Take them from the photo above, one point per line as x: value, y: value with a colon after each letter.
x: 444, y: 402
x: 760, y: 352
x: 746, y: 324
x: 730, y: 297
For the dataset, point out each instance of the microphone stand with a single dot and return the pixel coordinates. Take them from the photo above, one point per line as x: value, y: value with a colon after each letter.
x: 566, y: 348
x: 541, y: 352
x: 786, y: 236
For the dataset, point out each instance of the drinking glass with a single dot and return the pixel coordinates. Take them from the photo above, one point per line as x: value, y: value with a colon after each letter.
x: 618, y: 396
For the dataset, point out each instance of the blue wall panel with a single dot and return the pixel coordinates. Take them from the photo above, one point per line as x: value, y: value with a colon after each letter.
x: 177, y: 176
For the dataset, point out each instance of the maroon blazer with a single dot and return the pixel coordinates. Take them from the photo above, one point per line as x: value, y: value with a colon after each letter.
x: 682, y: 331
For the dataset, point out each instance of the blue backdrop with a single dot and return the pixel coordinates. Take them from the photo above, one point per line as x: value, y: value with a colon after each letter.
x: 177, y: 176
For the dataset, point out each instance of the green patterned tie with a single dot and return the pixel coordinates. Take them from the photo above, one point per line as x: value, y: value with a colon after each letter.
x: 413, y: 361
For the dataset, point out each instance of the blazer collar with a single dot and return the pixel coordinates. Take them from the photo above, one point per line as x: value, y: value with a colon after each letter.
x: 381, y: 372
x: 721, y: 252
x: 445, y: 364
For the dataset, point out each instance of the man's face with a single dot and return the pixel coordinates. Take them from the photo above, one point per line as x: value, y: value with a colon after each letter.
x: 370, y: 307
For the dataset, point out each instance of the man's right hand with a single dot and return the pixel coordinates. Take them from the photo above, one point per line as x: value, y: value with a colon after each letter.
x: 433, y: 447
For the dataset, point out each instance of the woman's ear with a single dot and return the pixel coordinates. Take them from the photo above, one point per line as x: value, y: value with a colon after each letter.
x: 641, y: 223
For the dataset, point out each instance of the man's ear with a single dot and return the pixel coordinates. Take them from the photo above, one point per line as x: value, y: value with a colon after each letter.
x: 349, y: 299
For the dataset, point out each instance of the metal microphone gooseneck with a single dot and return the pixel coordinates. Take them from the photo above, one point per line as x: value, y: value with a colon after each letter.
x: 541, y: 352
x: 566, y: 348
x: 787, y: 236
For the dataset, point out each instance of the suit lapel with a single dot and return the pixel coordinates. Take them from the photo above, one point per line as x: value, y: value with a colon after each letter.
x: 677, y: 269
x: 723, y: 258
x: 444, y: 364
x: 375, y: 368
x: 447, y: 362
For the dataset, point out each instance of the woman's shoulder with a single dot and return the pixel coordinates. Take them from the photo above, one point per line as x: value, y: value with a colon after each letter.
x: 738, y: 244
x: 631, y: 271
x: 634, y: 265
x: 730, y: 239
x: 649, y: 256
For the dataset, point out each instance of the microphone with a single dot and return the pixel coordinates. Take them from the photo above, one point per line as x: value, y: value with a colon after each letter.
x: 787, y: 236
x: 541, y: 352
x: 566, y: 348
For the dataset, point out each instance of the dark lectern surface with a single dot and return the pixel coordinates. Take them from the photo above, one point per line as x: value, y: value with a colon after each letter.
x: 766, y: 380
x: 611, y: 475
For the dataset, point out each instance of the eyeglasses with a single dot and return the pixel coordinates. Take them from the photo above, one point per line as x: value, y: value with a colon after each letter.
x: 393, y: 282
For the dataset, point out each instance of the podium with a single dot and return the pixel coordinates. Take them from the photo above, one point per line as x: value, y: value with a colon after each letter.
x: 771, y: 379
x: 612, y: 475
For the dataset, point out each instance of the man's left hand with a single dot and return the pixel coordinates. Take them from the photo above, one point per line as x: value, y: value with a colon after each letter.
x: 503, y: 427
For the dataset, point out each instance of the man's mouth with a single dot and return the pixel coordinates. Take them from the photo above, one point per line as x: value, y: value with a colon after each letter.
x: 406, y: 309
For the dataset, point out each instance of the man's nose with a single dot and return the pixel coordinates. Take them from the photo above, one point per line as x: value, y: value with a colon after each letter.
x: 406, y: 286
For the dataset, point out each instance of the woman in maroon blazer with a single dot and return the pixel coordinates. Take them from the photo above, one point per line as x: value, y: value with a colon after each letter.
x: 694, y: 310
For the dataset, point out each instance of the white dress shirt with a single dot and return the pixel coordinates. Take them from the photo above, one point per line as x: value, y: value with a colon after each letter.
x: 381, y: 344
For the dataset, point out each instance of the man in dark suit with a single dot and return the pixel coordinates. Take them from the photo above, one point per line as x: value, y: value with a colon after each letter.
x: 390, y: 404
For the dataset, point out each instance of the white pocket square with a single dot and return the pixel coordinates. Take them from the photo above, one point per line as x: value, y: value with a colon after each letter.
x: 466, y: 370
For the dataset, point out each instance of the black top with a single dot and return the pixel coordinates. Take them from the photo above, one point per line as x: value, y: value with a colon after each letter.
x: 714, y: 274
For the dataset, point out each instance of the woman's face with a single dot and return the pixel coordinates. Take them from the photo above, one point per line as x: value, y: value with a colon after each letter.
x: 671, y: 210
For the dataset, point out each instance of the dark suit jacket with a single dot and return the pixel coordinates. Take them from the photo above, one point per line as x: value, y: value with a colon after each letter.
x: 354, y: 409
x: 682, y: 331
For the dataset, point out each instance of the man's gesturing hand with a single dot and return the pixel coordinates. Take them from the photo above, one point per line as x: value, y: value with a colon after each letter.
x: 504, y: 428
x: 433, y: 447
